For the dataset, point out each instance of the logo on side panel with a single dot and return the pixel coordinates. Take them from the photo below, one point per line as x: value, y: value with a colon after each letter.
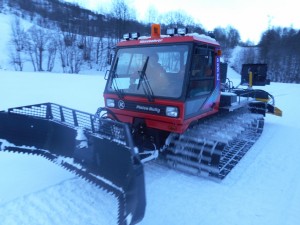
x: 121, y: 104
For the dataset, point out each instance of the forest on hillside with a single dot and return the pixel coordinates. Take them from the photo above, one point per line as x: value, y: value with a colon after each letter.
x: 75, y: 36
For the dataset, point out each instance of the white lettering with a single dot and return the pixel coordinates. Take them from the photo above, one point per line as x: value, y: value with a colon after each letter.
x: 218, y: 68
x: 142, y: 107
x: 150, y: 41
x: 150, y: 109
x: 154, y: 109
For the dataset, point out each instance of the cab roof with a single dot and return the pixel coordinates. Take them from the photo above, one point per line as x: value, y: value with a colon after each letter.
x: 164, y: 39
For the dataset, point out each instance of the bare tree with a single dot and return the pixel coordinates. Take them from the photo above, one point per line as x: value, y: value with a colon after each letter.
x: 152, y: 15
x: 76, y: 58
x: 37, y: 43
x: 70, y: 52
x: 233, y: 37
x: 177, y: 19
x: 99, y: 47
x: 62, y: 52
x: 16, y: 60
x: 102, y: 53
x: 228, y: 38
x: 122, y: 14
x: 51, y: 49
x: 86, y: 44
x: 18, y: 40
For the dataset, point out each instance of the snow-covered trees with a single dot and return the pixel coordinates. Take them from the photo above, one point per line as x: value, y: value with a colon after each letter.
x: 79, y: 37
x: 46, y: 49
x: 280, y: 49
x: 228, y: 38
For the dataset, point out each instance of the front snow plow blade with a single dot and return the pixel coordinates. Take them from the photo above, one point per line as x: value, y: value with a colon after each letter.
x: 102, y: 149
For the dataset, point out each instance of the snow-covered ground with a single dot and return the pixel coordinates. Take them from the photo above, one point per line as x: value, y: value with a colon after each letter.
x: 264, y: 188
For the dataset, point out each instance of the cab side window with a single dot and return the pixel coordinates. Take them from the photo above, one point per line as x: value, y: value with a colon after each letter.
x: 202, y: 72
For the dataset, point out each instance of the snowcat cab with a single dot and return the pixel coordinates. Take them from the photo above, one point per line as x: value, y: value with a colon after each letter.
x: 162, y: 84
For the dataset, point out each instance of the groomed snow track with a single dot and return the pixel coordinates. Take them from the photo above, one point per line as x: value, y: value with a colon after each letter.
x: 215, y: 145
x: 89, y: 177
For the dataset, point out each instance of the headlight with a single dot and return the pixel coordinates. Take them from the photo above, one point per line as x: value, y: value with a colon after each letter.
x: 110, y: 103
x: 172, y: 111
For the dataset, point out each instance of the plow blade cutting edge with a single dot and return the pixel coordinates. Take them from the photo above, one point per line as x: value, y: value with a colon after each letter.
x: 102, y: 149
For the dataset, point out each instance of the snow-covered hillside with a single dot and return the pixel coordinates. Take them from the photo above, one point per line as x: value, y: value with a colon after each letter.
x: 264, y: 188
x: 4, y: 40
x: 6, y: 21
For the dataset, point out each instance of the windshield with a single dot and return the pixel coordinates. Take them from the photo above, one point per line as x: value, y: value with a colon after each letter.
x: 155, y: 71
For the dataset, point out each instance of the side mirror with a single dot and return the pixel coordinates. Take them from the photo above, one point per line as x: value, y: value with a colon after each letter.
x: 106, y: 74
x: 223, y: 71
x: 109, y: 59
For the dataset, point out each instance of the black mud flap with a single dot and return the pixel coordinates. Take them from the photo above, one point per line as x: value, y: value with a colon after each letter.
x: 102, y: 147
x: 258, y: 107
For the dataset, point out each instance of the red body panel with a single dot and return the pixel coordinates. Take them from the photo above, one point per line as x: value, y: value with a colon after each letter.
x: 177, y: 125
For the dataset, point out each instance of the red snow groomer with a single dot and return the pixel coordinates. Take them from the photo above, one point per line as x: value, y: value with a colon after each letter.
x: 166, y: 98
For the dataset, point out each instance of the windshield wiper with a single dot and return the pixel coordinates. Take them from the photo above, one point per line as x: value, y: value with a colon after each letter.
x: 114, y: 83
x: 145, y: 82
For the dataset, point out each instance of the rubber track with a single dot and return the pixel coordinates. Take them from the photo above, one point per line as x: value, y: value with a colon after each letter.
x: 215, y: 145
x: 80, y: 173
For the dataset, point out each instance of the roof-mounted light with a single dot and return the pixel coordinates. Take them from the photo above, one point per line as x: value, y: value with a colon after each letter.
x: 130, y: 36
x: 155, y: 31
x: 182, y: 31
x: 135, y: 35
x: 171, y: 31
x: 126, y: 36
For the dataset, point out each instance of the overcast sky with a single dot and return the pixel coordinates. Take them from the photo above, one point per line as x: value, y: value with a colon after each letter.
x: 250, y: 18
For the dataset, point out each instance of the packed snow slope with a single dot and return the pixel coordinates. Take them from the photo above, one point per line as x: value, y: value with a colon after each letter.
x: 264, y: 188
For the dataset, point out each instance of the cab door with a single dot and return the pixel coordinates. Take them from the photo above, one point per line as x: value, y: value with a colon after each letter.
x: 201, y: 84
